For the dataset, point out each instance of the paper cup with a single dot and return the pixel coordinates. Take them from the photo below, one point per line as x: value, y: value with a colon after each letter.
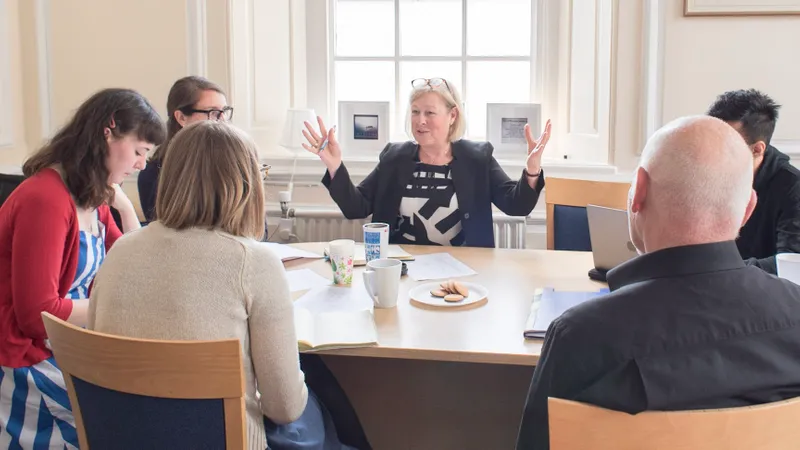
x: 341, y: 253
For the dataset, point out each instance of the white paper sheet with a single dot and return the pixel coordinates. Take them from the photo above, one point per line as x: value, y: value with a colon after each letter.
x: 288, y: 253
x: 437, y: 266
x: 334, y: 298
x: 302, y: 279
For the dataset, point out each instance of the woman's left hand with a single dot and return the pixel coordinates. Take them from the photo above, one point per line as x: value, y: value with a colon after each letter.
x: 121, y: 201
x: 536, y: 148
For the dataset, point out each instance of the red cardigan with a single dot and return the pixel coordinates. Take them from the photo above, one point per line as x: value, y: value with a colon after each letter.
x: 39, y: 241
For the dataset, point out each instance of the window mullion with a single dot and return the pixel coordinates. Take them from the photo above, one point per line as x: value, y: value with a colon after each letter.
x: 463, y: 53
x: 397, y: 109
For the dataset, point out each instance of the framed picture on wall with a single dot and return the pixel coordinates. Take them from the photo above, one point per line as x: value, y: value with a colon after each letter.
x: 740, y: 7
x: 363, y: 127
x: 505, y: 126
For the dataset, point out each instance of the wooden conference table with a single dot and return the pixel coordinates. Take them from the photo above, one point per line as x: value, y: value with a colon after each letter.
x: 452, y: 379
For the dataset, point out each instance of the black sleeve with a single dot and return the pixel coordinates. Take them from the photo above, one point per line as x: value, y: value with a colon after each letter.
x: 513, y: 197
x: 355, y: 202
x: 555, y: 376
x: 148, y: 186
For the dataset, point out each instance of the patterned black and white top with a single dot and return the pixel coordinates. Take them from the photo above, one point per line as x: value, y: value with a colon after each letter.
x: 429, y: 209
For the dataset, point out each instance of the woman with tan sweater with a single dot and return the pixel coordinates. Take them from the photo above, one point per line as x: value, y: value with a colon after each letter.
x: 199, y: 273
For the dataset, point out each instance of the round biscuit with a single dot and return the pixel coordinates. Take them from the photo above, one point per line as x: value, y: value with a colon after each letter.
x: 460, y: 289
x: 438, y: 293
x: 453, y: 298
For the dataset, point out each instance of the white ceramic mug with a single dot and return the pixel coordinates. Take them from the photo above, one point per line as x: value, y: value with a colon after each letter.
x: 382, y: 281
x: 341, y: 252
x: 376, y: 241
x: 788, y: 266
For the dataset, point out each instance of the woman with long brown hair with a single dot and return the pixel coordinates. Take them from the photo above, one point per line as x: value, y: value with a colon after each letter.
x: 191, y: 99
x: 55, y: 230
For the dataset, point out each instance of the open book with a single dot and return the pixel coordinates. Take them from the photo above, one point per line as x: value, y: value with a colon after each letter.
x: 334, y: 317
x: 336, y: 329
x: 395, y: 252
x: 548, y: 304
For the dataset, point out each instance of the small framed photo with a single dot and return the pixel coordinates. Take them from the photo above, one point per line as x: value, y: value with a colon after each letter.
x: 366, y: 126
x: 505, y: 125
x: 740, y: 7
x: 363, y: 127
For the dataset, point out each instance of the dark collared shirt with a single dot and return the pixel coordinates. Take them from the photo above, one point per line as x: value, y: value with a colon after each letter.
x: 683, y: 328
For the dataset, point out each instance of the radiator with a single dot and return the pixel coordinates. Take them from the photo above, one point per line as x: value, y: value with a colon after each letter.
x: 326, y: 225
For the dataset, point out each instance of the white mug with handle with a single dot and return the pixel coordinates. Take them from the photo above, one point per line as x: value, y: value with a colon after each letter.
x: 788, y: 265
x: 382, y: 281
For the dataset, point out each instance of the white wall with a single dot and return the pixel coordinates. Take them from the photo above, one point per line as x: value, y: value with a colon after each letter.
x: 705, y: 56
x: 13, y: 145
x: 114, y: 43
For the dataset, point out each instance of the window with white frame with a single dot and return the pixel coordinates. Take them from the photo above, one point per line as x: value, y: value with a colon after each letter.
x: 485, y: 48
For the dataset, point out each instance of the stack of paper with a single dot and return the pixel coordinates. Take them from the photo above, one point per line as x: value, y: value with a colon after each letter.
x: 289, y: 253
x: 303, y: 279
x: 437, y: 266
x: 549, y: 304
x: 335, y: 317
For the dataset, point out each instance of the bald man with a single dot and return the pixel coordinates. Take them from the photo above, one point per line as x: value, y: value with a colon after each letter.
x: 687, y: 325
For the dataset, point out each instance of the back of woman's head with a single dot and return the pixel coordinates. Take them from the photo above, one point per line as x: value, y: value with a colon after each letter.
x: 211, y: 179
x: 185, y: 93
x: 81, y: 146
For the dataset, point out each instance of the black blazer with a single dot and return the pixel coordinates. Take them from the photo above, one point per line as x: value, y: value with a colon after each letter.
x: 477, y: 177
x: 148, y: 186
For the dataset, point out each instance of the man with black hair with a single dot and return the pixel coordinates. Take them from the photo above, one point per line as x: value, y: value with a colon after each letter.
x: 774, y: 226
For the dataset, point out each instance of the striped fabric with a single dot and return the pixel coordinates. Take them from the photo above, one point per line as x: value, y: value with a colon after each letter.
x: 34, y: 406
x: 91, y: 255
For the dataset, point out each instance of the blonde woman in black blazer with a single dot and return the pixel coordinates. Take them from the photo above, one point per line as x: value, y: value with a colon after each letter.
x: 439, y: 188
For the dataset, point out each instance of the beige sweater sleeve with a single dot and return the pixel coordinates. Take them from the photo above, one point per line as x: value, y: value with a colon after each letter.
x: 273, y: 341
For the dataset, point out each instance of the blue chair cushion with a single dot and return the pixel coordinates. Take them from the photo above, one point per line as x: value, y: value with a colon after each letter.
x: 121, y: 421
x: 571, y: 228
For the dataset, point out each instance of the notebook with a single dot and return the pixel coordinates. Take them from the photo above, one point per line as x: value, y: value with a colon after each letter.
x: 395, y: 252
x: 548, y: 304
x: 331, y: 317
x: 338, y: 329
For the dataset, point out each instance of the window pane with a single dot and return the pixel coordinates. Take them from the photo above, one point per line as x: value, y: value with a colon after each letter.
x: 499, y: 27
x: 365, y: 28
x: 364, y: 82
x: 450, y: 71
x: 494, y: 82
x: 430, y: 27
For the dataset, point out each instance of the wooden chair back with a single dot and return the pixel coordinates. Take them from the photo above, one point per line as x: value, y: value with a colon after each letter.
x: 578, y: 426
x: 566, y: 201
x: 138, y: 393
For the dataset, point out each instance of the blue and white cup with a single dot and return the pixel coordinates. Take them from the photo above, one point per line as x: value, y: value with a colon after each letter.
x: 376, y: 241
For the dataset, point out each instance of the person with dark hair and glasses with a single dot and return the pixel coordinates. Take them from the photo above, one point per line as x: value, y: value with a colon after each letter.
x: 437, y: 189
x: 55, y: 231
x: 191, y: 99
x: 774, y: 226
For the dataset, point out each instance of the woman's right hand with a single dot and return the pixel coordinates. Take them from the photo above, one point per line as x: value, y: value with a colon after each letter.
x: 331, y: 155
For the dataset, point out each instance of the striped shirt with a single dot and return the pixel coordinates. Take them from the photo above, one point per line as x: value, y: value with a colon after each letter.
x: 34, y: 406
